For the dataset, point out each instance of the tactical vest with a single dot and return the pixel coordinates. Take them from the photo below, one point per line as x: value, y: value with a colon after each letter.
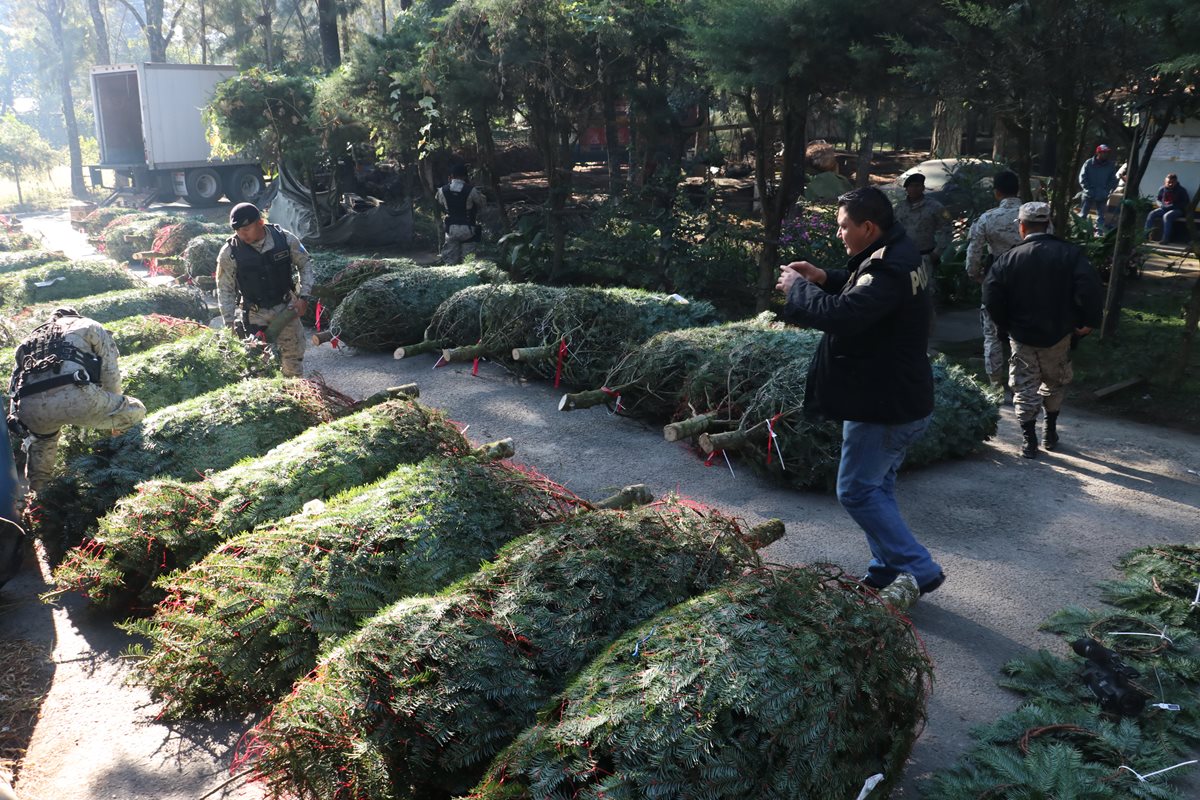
x: 457, y: 212
x: 41, y: 359
x: 263, y: 279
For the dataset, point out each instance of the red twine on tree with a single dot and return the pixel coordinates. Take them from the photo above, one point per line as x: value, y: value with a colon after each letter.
x: 772, y: 444
x: 475, y: 366
x: 320, y: 309
x: 562, y: 356
x: 614, y: 394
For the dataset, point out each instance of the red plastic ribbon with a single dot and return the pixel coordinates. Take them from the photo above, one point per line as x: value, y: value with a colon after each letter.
x: 708, y: 462
x: 475, y: 366
x: 320, y: 308
x: 335, y: 342
x: 614, y: 394
x: 771, y: 438
x: 562, y: 356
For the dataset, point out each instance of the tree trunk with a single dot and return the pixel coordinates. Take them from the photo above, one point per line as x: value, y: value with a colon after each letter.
x: 17, y: 180
x: 1022, y: 133
x: 327, y: 29
x: 866, y: 148
x: 1150, y: 131
x: 383, y: 16
x: 103, y: 55
x: 999, y: 142
x: 948, y: 120
x: 203, y: 32
x: 971, y: 133
x: 54, y: 11
x: 1063, y: 174
x: 267, y: 19
x: 487, y: 154
x: 775, y: 204
x: 155, y: 40
x: 611, y: 142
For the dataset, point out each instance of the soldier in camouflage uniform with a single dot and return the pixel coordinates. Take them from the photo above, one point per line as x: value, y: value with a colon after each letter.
x: 1043, y: 292
x: 66, y: 374
x: 462, y: 203
x: 997, y: 232
x: 264, y: 270
x: 924, y: 220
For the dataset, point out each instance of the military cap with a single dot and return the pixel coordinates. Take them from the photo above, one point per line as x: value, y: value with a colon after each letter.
x: 1034, y: 212
x: 243, y: 214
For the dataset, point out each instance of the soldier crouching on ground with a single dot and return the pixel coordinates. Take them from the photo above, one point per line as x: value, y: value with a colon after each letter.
x: 66, y: 374
x: 262, y: 271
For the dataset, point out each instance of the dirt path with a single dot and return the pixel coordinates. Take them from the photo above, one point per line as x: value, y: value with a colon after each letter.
x: 1019, y: 540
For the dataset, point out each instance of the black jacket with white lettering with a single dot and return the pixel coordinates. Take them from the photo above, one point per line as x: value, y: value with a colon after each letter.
x: 1042, y: 290
x: 871, y: 365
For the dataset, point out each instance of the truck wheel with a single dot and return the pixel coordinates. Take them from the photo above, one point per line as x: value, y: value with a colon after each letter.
x: 203, y: 187
x: 244, y: 185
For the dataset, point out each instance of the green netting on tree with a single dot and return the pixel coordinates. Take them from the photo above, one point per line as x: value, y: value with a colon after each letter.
x: 1162, y: 580
x: 172, y: 301
x: 14, y: 240
x: 493, y: 319
x: 167, y: 525
x: 599, y: 325
x: 395, y: 309
x: 210, y: 432
x: 96, y: 221
x: 324, y: 264
x: 123, y: 239
x: 65, y: 280
x: 784, y: 685
x: 334, y: 289
x: 172, y: 240
x: 416, y: 702
x: 200, y: 254
x: 805, y: 453
x: 238, y: 628
x: 24, y: 259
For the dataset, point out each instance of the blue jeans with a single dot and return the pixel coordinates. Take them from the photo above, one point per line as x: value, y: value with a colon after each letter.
x: 1101, y: 206
x: 1168, y: 217
x: 866, y: 484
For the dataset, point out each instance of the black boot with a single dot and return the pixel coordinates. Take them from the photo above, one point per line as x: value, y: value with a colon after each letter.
x: 1050, y: 439
x: 1030, y: 448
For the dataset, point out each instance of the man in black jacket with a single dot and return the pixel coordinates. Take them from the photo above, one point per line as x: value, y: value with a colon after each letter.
x: 1042, y: 291
x: 871, y: 372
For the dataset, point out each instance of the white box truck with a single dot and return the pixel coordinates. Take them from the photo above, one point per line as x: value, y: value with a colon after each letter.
x: 151, y: 134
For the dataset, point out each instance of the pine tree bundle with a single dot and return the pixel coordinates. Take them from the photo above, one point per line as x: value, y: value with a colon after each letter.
x: 492, y: 319
x: 64, y: 280
x: 805, y: 453
x: 416, y: 702
x: 395, y: 309
x: 207, y: 433
x: 24, y: 259
x: 170, y: 524
x: 12, y: 241
x: 200, y: 254
x: 95, y: 222
x: 311, y: 579
x: 776, y: 686
x: 598, y: 325
x: 335, y: 289
x: 173, y: 239
x: 123, y: 239
x: 324, y: 264
x: 171, y: 301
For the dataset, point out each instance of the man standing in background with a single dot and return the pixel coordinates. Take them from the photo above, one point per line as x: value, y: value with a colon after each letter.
x: 1097, y: 180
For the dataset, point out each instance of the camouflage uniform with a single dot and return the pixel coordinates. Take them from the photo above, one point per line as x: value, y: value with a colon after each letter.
x: 998, y: 230
x: 461, y: 240
x: 87, y: 405
x: 291, y: 339
x: 1039, y: 378
x: 925, y: 222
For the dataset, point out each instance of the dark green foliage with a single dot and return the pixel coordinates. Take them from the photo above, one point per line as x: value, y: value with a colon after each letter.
x: 964, y: 416
x: 210, y: 432
x: 309, y: 579
x: 24, y: 259
x: 1060, y: 743
x: 69, y: 279
x: 200, y: 254
x: 598, y: 325
x: 394, y: 309
x: 324, y: 264
x: 776, y: 686
x: 172, y: 301
x: 416, y: 702
x: 170, y: 524
x: 1161, y: 580
x: 498, y: 316
x: 333, y: 290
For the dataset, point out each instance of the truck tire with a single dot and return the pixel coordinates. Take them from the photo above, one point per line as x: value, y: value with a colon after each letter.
x: 204, y: 187
x: 244, y: 184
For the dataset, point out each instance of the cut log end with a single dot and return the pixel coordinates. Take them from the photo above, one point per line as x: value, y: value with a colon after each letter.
x: 530, y: 354
x: 637, y: 494
x: 685, y: 429
x: 575, y: 400
x: 420, y: 348
x: 496, y: 451
x: 733, y: 440
x: 766, y: 533
x: 321, y: 337
x: 466, y: 353
x: 408, y: 391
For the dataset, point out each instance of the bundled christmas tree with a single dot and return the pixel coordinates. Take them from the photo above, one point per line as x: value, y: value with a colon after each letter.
x: 24, y: 259
x: 241, y: 625
x: 61, y: 280
x: 170, y: 524
x: 334, y: 289
x: 172, y: 301
x: 210, y: 432
x: 783, y: 685
x: 199, y: 255
x: 123, y: 238
x: 416, y: 702
x: 13, y: 240
x: 490, y: 320
x: 780, y: 441
x: 97, y: 220
x: 590, y: 329
x: 395, y: 308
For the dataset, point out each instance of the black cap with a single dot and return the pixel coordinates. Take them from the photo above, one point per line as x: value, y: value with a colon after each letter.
x: 458, y: 170
x: 243, y: 214
x: 916, y: 177
x: 64, y: 311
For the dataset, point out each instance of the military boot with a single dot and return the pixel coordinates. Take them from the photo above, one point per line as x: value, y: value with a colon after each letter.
x: 1030, y: 447
x: 1050, y: 439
